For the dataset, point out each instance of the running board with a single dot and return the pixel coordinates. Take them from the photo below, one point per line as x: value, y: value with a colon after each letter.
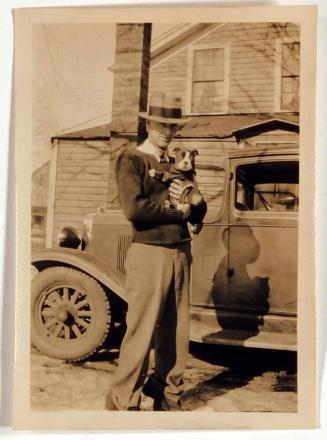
x: 200, y: 332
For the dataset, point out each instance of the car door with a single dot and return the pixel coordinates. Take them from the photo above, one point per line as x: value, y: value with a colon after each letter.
x: 263, y: 233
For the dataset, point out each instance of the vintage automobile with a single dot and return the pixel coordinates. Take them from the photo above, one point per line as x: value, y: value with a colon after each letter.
x: 244, y: 272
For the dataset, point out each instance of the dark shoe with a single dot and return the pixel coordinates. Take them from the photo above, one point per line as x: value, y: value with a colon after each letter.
x: 164, y: 405
x: 154, y: 390
x: 151, y: 390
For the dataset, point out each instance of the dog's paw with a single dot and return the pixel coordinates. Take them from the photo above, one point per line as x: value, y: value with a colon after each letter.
x: 196, y: 229
x: 152, y: 172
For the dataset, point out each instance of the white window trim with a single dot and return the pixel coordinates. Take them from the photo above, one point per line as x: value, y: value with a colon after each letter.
x: 278, y: 72
x: 189, y: 76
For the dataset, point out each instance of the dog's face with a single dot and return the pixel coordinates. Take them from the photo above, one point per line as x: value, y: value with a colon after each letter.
x: 184, y: 159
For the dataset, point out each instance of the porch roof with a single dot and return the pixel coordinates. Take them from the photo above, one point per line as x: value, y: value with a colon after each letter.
x: 226, y: 126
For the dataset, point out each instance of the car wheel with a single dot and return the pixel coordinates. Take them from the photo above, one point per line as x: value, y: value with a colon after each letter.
x: 70, y: 314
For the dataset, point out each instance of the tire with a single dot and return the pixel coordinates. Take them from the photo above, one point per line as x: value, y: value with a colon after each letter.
x: 70, y: 314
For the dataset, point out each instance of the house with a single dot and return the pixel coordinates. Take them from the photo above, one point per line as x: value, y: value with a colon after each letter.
x: 238, y: 81
x: 240, y: 84
x: 40, y: 179
x: 233, y: 68
x: 78, y: 177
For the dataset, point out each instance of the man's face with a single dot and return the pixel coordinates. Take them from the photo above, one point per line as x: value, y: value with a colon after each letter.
x: 160, y: 134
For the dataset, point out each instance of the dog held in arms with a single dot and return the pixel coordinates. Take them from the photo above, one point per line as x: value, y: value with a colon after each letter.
x: 183, y: 169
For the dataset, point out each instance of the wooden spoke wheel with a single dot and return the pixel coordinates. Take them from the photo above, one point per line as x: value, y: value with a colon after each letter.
x: 70, y: 313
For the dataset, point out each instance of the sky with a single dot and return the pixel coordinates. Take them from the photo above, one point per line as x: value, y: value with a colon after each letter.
x: 72, y: 85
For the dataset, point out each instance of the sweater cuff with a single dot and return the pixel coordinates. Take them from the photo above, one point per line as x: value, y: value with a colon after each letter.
x: 174, y: 215
x: 198, y: 213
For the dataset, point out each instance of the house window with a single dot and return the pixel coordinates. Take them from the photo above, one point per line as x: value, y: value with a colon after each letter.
x: 208, y: 80
x: 290, y: 76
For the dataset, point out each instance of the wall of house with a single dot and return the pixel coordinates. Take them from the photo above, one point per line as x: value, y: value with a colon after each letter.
x: 170, y: 76
x: 81, y: 182
x: 271, y: 138
x: 40, y: 181
x: 252, y: 66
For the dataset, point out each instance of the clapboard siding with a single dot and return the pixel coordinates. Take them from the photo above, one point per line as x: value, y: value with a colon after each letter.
x: 83, y: 176
x: 254, y: 84
x: 84, y: 197
x: 89, y: 204
x: 170, y: 75
x: 252, y: 67
x: 252, y: 32
x: 86, y: 169
x: 81, y: 181
x: 73, y: 189
x: 96, y: 156
x: 91, y: 185
x: 87, y: 148
x: 83, y: 163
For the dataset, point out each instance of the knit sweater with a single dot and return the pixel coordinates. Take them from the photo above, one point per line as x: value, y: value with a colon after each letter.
x: 142, y: 200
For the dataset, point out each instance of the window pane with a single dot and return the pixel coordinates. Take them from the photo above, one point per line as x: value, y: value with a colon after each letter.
x: 211, y: 89
x: 290, y: 59
x: 290, y: 93
x: 276, y: 197
x: 208, y: 80
x: 267, y: 186
x: 290, y: 101
x: 207, y: 97
x: 208, y: 64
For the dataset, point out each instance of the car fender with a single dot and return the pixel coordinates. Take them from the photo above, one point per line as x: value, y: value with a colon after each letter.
x: 109, y: 276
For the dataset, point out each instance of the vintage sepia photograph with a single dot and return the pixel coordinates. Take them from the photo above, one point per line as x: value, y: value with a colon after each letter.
x: 166, y: 179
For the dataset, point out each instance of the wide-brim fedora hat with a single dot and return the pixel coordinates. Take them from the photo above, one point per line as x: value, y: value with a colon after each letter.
x: 165, y: 108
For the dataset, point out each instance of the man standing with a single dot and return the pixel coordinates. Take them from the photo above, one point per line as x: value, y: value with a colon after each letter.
x: 157, y: 267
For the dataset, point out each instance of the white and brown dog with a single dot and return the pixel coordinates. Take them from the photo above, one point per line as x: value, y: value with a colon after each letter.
x: 183, y: 169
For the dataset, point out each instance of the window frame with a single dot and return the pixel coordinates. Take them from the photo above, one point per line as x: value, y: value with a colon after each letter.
x: 249, y: 214
x: 189, y: 76
x: 278, y: 73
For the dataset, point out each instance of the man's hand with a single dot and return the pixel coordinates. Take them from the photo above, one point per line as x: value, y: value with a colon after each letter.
x: 185, y: 208
x: 195, y: 198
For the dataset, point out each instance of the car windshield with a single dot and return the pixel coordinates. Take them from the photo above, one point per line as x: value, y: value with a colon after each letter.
x: 267, y: 186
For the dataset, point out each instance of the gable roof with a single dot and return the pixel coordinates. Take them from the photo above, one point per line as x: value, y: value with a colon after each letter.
x: 225, y: 126
x: 183, y: 39
x: 268, y: 125
x: 176, y: 40
x: 100, y: 132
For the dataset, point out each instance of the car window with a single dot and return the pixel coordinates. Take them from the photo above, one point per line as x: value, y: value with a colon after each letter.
x: 267, y: 186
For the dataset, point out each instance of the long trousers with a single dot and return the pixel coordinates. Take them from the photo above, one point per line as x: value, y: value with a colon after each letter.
x: 157, y: 285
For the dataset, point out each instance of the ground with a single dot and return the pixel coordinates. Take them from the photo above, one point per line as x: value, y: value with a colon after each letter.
x: 216, y: 379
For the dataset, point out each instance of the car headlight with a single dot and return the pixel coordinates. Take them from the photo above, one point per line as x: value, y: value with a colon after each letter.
x: 69, y: 237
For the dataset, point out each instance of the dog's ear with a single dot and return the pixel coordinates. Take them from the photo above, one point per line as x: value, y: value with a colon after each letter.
x: 194, y: 153
x: 177, y: 150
